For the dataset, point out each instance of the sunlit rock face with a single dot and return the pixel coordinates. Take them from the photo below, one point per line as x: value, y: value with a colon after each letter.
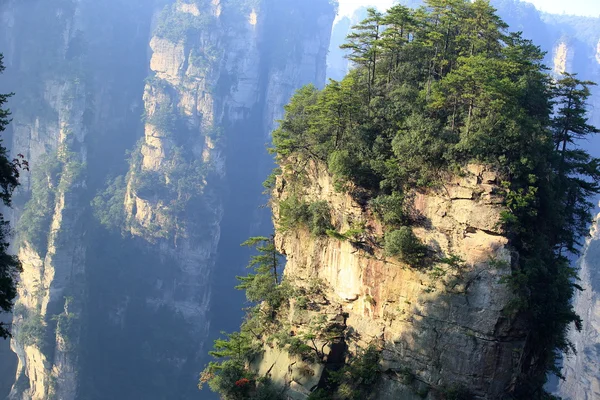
x: 563, y: 58
x: 446, y: 330
x: 132, y: 115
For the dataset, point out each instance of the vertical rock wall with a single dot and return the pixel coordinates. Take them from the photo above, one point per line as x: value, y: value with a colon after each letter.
x: 443, y: 327
x: 132, y: 116
x: 49, y: 129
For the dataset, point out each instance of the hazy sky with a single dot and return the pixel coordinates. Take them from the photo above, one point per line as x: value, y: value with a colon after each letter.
x: 577, y: 7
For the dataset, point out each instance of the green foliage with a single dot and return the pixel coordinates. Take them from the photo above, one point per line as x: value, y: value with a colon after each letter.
x: 311, y: 342
x: 437, y: 88
x: 32, y: 330
x: 66, y: 326
x: 147, y: 184
x: 264, y: 283
x: 354, y: 381
x: 295, y: 346
x: 319, y: 218
x: 335, y: 234
x: 269, y: 183
x: 265, y: 390
x: 389, y: 209
x: 178, y: 26
x: 177, y: 188
x: 230, y: 375
x: 164, y: 119
x: 316, y: 216
x: 409, y: 109
x: 403, y: 243
x: 229, y: 380
x: 108, y: 206
x: 406, y: 375
x: 56, y: 172
x: 302, y: 302
x: 319, y: 394
x: 292, y: 213
x: 9, y: 180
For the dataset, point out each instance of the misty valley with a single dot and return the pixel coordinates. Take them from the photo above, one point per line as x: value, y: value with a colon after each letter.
x: 263, y: 199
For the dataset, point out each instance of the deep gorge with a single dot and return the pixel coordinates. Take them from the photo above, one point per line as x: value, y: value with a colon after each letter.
x: 146, y: 124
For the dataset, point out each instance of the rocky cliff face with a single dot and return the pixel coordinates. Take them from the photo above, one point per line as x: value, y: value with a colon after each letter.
x: 572, y: 45
x: 111, y: 284
x: 435, y: 327
x: 201, y: 84
x: 50, y: 130
x: 581, y: 370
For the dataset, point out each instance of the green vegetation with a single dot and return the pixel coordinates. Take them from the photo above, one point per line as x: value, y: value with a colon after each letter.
x: 316, y: 216
x: 34, y: 224
x: 389, y: 209
x: 178, y: 26
x: 269, y: 183
x: 108, y: 205
x: 164, y: 118
x: 403, y: 243
x: 9, y: 180
x: 264, y: 283
x: 266, y: 323
x: 177, y: 189
x: 32, y: 330
x: 66, y: 325
x: 230, y: 376
x: 354, y: 381
x: 54, y: 173
x: 435, y: 89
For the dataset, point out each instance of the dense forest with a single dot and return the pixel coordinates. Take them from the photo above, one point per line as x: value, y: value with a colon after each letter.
x: 432, y: 90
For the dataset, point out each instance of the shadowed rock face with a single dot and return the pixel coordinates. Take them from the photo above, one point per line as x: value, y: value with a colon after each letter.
x: 582, y: 380
x: 446, y: 329
x: 115, y: 298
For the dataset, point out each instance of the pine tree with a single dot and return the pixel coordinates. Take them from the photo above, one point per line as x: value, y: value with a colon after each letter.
x: 363, y: 44
x: 578, y: 172
x: 264, y: 283
x: 570, y: 123
x: 9, y: 180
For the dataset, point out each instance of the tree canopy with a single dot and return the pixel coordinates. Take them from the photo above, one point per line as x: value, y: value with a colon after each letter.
x: 9, y: 180
x: 447, y: 84
x: 432, y: 90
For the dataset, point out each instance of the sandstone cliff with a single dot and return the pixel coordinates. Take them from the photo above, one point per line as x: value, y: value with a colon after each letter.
x: 103, y: 284
x: 439, y: 326
x: 49, y: 130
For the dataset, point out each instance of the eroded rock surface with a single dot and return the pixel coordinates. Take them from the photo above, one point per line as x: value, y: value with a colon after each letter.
x: 446, y: 325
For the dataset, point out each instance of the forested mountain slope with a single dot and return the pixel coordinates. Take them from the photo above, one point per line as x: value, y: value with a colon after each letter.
x: 427, y: 205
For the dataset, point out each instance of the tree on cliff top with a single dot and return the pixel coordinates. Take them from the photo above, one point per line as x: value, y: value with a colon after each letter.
x: 433, y: 90
x: 9, y: 180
